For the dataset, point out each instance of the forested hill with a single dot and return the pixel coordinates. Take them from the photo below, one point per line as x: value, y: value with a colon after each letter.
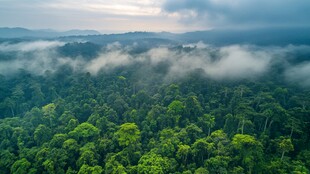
x: 80, y: 107
x: 18, y: 32
x: 263, y: 36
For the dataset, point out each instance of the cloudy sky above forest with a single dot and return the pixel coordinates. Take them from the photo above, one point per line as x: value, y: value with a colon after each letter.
x: 153, y: 15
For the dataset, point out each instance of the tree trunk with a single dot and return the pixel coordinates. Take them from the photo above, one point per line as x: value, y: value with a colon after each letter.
x: 238, y: 126
x: 265, y: 127
x: 12, y: 111
x: 209, y: 131
x: 270, y: 123
x: 292, y: 130
x: 282, y: 155
x: 242, y: 127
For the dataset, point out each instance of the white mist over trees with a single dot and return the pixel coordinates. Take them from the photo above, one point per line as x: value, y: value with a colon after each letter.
x: 233, y: 62
x: 69, y: 105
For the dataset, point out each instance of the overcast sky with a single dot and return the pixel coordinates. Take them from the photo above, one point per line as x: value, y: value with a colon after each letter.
x: 112, y: 16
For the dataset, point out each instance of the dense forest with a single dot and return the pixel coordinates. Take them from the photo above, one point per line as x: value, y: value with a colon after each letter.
x: 134, y: 118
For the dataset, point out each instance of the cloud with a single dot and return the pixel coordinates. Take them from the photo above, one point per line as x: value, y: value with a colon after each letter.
x: 30, y: 46
x: 299, y: 74
x: 109, y: 60
x: 118, y: 7
x: 35, y: 57
x: 233, y: 62
x: 240, y: 13
x: 153, y: 15
x: 239, y: 62
x: 36, y: 63
x: 105, y: 16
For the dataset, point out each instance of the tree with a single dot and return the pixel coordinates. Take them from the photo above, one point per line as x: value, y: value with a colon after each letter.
x: 243, y: 112
x: 201, y: 170
x: 49, y: 113
x: 66, y: 117
x: 175, y: 111
x: 273, y: 112
x: 183, y: 152
x: 58, y: 158
x: 42, y: 134
x: 295, y: 125
x: 87, y: 157
x: 72, y: 124
x: 193, y: 132
x: 220, y: 141
x: 37, y: 94
x: 153, y: 163
x: 21, y: 166
x: 115, y: 163
x: 285, y: 145
x: 58, y: 140
x: 193, y: 108
x: 304, y: 156
x: 201, y: 150
x: 208, y: 121
x: 168, y: 143
x: 86, y: 169
x: 85, y: 132
x: 249, y: 151
x: 35, y: 116
x: 281, y: 95
x: 157, y: 119
x: 218, y: 164
x: 72, y: 148
x: 7, y: 159
x: 128, y: 134
x: 231, y: 124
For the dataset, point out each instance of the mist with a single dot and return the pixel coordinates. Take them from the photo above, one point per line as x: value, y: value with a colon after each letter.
x: 299, y: 74
x: 232, y: 62
x: 29, y: 46
x: 35, y: 57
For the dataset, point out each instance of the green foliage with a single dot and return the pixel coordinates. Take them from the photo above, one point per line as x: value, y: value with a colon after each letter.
x: 202, y: 149
x: 21, y: 166
x: 49, y: 113
x: 85, y: 169
x: 208, y: 121
x: 285, y: 145
x: 85, y: 132
x: 153, y: 163
x: 183, y: 152
x: 42, y: 134
x: 118, y: 122
x: 128, y: 134
x: 218, y: 164
x: 249, y: 150
x: 201, y: 170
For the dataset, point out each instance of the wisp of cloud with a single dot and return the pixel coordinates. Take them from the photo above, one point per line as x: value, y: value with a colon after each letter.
x: 233, y: 62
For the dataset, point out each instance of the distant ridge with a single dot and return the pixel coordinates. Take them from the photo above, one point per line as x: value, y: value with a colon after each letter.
x: 263, y: 36
x: 19, y: 32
